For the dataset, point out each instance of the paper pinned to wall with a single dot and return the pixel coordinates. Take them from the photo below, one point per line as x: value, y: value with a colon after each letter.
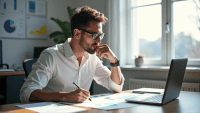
x: 35, y: 7
x: 12, y: 25
x: 16, y: 22
x: 12, y: 6
x: 50, y: 107
x: 36, y: 27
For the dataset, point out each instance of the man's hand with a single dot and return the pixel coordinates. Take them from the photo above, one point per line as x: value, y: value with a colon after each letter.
x: 106, y: 52
x: 77, y: 96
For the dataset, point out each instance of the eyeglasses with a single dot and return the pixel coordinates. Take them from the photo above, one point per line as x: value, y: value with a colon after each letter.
x: 95, y: 36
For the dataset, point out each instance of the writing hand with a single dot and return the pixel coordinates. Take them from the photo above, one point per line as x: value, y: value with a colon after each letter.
x: 77, y: 96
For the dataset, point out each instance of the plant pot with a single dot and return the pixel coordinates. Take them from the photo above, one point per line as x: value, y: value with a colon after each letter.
x: 139, y: 61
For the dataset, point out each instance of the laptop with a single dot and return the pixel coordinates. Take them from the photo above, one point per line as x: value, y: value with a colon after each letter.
x: 172, y: 88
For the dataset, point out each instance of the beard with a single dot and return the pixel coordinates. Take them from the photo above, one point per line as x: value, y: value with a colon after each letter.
x: 86, y: 46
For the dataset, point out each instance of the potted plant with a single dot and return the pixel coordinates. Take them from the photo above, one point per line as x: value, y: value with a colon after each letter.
x: 139, y: 60
x: 60, y: 37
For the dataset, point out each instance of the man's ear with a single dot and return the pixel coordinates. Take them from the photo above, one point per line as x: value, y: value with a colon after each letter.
x: 77, y: 33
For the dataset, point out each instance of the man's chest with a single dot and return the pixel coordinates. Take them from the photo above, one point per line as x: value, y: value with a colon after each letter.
x: 68, y: 72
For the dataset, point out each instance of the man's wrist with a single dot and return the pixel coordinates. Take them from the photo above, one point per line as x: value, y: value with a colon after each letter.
x: 114, y: 63
x: 114, y: 60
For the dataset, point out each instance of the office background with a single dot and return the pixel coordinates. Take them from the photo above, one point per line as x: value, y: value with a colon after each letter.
x: 23, y: 48
x: 16, y: 50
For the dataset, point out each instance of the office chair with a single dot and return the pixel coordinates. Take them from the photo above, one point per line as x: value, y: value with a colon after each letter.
x: 27, y: 64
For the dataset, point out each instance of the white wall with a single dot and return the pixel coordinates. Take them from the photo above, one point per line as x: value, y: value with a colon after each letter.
x: 15, y: 50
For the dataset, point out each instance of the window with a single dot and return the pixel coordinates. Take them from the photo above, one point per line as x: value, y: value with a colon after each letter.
x: 164, y: 29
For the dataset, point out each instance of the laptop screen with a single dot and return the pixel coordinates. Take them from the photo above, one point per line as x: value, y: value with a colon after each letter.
x: 175, y: 79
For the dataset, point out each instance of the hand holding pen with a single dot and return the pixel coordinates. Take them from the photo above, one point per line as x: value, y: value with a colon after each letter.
x: 82, y: 90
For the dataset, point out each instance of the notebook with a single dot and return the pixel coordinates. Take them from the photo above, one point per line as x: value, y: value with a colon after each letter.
x: 172, y: 88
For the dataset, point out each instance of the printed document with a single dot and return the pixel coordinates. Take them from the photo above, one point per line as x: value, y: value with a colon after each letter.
x: 50, y: 107
x: 108, y: 101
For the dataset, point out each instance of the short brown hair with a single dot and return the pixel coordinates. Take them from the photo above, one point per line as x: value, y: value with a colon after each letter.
x: 83, y: 15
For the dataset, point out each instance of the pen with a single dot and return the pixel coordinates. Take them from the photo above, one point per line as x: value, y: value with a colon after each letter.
x: 78, y: 87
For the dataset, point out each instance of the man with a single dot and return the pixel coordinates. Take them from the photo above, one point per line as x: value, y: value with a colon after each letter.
x: 76, y: 60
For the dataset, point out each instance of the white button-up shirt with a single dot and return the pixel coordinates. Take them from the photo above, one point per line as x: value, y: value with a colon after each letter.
x: 57, y: 68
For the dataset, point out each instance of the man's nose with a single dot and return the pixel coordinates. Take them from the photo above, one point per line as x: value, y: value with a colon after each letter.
x: 98, y: 40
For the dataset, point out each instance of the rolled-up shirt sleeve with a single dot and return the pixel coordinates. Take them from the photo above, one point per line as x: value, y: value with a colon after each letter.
x: 41, y: 73
x: 103, y: 77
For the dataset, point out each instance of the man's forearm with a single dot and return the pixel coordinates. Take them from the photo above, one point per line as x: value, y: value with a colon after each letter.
x: 116, y: 72
x: 40, y: 95
x: 116, y: 75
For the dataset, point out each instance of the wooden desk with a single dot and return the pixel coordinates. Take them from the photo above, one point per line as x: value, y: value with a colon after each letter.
x: 12, y: 73
x: 187, y: 102
x: 11, y: 83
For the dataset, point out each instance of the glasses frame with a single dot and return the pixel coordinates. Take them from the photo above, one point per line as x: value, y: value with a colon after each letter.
x: 95, y: 36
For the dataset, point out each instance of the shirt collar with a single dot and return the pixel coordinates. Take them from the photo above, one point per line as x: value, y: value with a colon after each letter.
x: 69, y: 52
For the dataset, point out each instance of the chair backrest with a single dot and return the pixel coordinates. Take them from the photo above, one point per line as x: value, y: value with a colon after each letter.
x: 27, y: 65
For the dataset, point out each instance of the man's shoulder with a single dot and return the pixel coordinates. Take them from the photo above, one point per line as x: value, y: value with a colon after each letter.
x: 54, y: 49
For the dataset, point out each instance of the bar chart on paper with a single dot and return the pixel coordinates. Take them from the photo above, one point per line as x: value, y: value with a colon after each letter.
x: 13, y: 6
x: 36, y: 7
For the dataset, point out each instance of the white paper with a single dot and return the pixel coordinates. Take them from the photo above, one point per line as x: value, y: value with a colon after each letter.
x: 12, y: 25
x: 35, y: 7
x: 36, y: 27
x: 12, y: 6
x: 108, y: 101
x: 50, y: 107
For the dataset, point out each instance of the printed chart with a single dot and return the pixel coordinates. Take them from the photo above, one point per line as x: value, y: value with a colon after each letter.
x: 36, y: 7
x: 12, y: 25
x: 36, y: 27
x: 12, y: 6
x: 107, y: 101
x: 23, y: 19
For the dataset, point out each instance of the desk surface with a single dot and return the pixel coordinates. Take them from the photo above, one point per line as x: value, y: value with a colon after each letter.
x: 186, y: 102
x: 12, y: 73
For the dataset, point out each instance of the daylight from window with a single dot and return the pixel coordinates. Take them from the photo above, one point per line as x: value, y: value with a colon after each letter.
x: 186, y: 29
x: 148, y: 29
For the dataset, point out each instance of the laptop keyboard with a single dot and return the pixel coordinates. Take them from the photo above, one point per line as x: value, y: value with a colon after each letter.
x: 156, y: 98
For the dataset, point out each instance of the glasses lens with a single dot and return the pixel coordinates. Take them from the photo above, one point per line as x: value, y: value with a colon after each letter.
x: 96, y: 36
x: 102, y: 35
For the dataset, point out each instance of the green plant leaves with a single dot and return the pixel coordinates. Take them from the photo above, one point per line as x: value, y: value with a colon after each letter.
x: 70, y: 11
x: 65, y: 26
x: 58, y: 37
x: 52, y: 35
